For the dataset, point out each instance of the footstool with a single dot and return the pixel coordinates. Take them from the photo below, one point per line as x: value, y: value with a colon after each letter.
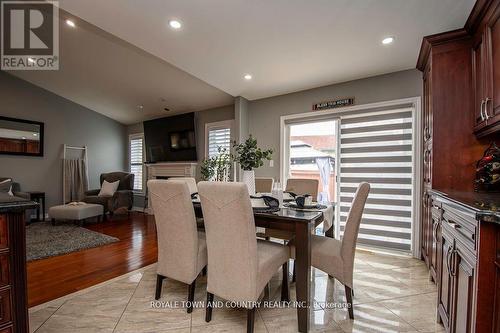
x: 76, y: 212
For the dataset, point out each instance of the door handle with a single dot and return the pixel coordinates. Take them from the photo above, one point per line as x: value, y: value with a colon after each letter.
x: 454, y: 269
x: 481, y: 109
x: 448, y: 260
x: 486, y: 108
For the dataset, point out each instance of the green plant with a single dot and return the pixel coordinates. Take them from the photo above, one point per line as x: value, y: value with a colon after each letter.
x: 249, y: 156
x: 217, y: 168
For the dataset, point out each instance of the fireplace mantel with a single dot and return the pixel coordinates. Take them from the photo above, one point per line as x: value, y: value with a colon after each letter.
x: 169, y: 170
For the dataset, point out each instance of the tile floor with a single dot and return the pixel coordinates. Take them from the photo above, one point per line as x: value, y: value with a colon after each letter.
x: 392, y: 294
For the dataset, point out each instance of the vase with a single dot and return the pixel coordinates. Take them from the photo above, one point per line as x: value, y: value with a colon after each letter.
x: 248, y: 177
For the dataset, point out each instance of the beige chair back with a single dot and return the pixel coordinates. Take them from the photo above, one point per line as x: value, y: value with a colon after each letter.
x: 303, y: 186
x: 191, y: 182
x: 176, y: 229
x: 264, y: 185
x: 231, y: 241
x: 351, y: 231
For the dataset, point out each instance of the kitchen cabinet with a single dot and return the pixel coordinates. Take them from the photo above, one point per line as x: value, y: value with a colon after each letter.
x: 486, y: 73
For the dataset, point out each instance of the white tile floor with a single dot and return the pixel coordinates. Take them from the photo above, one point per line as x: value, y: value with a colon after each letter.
x: 392, y: 294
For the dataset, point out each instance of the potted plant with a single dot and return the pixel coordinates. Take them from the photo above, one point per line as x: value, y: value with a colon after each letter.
x: 217, y: 168
x: 250, y: 157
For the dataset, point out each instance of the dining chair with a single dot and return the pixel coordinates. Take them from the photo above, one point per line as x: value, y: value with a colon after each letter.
x: 264, y: 185
x: 336, y: 257
x: 182, y: 250
x: 301, y: 186
x: 240, y: 266
x: 191, y: 183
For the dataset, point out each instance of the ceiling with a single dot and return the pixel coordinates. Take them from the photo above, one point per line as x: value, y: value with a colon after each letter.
x: 123, y: 54
x: 112, y: 77
x: 287, y: 45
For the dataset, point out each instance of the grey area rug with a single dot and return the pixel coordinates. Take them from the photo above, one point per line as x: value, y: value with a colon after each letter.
x: 44, y: 240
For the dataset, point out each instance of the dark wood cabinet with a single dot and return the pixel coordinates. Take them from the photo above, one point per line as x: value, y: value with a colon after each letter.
x: 445, y: 291
x: 486, y: 74
x: 464, y: 274
x: 13, y: 290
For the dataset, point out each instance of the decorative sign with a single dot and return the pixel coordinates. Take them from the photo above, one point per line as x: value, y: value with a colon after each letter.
x: 333, y: 104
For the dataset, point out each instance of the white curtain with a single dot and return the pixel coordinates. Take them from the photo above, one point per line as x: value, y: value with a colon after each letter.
x: 324, y: 167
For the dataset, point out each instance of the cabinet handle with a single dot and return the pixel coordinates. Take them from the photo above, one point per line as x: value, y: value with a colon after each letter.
x: 454, y: 269
x: 486, y: 108
x: 449, y: 261
x: 434, y: 231
x: 481, y: 109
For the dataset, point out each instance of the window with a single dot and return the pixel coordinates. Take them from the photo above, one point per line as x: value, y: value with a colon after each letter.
x: 136, y: 144
x: 217, y: 135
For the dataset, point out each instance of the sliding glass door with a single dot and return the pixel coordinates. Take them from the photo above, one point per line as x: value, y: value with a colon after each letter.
x: 344, y: 148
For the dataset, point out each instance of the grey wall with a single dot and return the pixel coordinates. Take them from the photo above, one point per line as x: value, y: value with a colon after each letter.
x: 65, y: 123
x: 264, y: 114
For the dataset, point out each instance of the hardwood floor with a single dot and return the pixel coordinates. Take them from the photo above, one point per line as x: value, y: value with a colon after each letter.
x: 54, y: 277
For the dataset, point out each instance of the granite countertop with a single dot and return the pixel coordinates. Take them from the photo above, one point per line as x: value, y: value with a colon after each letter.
x: 486, y: 205
x: 10, y: 204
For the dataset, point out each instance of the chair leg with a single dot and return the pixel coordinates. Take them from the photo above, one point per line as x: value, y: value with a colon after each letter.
x: 159, y: 282
x: 285, y: 294
x: 204, y: 271
x: 210, y: 300
x: 294, y: 274
x: 348, y: 295
x: 191, y: 290
x: 250, y: 319
x: 53, y: 221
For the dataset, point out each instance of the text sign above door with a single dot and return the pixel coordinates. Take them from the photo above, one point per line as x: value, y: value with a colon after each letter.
x: 333, y: 104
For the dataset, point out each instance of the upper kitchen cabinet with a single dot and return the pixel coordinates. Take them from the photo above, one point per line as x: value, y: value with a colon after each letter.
x: 486, y: 73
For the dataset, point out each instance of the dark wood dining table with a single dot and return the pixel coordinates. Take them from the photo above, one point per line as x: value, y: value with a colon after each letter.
x: 301, y: 223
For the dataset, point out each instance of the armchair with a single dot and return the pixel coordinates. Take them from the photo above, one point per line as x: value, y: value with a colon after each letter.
x: 122, y: 198
x: 16, y: 188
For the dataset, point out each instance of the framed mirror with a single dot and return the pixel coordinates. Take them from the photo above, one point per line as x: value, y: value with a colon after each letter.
x: 21, y: 137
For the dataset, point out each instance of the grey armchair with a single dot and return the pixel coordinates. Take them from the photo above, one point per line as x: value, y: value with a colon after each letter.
x: 122, y: 198
x: 15, y: 187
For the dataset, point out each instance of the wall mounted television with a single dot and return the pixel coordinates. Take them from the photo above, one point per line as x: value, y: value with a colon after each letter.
x: 171, y: 139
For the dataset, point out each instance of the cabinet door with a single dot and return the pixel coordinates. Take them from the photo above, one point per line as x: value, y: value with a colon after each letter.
x: 463, y: 269
x: 427, y: 121
x: 492, y: 62
x: 426, y: 226
x: 478, y: 78
x: 445, y: 292
x: 434, y: 244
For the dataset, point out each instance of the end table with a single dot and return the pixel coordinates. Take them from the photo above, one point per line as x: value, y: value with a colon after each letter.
x: 39, y: 197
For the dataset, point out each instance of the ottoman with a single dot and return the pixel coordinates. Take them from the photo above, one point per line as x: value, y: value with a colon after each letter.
x: 78, y: 213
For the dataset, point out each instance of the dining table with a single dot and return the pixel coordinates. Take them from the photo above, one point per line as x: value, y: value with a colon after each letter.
x: 302, y: 223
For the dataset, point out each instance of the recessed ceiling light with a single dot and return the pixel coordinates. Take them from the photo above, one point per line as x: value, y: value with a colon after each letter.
x: 70, y: 23
x: 388, y: 40
x: 247, y: 77
x: 140, y: 107
x: 174, y: 24
x: 35, y: 134
x: 23, y: 137
x: 31, y: 60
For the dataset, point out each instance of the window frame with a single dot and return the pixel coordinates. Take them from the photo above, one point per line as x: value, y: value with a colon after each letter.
x: 135, y: 137
x: 215, y: 126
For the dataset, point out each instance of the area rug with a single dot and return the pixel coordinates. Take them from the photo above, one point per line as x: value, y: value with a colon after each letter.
x: 44, y: 240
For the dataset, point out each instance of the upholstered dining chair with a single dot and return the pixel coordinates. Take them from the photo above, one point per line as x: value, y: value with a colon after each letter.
x: 182, y: 250
x: 240, y: 266
x: 264, y: 185
x: 302, y: 186
x: 191, y: 183
x: 336, y: 257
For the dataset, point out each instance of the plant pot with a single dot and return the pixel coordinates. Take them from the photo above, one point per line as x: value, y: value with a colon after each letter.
x: 248, y: 177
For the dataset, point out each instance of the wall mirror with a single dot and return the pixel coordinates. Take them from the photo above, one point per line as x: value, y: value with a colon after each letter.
x: 21, y: 137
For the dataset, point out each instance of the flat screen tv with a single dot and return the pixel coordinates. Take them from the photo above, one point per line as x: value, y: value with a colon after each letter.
x: 171, y: 139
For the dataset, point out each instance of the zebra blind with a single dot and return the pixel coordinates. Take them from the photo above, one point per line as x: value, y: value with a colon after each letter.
x: 378, y: 149
x: 136, y: 161
x: 218, y: 137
